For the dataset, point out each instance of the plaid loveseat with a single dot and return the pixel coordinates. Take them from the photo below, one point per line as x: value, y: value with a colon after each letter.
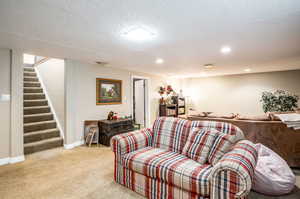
x: 150, y: 162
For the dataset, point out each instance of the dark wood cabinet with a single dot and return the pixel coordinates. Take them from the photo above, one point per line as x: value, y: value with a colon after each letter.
x: 110, y: 128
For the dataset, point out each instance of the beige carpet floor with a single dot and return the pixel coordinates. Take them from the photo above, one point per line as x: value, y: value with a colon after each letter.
x: 80, y: 173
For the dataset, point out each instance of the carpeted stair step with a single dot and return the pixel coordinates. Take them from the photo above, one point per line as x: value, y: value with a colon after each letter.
x: 28, y: 69
x: 42, y: 145
x: 31, y: 96
x: 39, y: 126
x: 40, y: 135
x: 29, y: 74
x: 36, y: 110
x: 32, y: 84
x: 29, y: 103
x: 31, y: 79
x: 38, y: 117
x: 33, y: 90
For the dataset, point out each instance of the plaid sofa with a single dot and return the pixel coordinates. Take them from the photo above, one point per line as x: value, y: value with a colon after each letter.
x: 150, y: 162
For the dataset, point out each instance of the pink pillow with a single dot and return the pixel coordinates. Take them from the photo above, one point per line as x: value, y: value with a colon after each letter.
x: 199, y: 143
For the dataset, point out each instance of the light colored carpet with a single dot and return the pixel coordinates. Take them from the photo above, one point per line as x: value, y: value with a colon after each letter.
x: 80, y: 173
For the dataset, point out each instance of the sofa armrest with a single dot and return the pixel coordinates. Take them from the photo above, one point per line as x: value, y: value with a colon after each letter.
x: 232, y: 175
x: 128, y: 142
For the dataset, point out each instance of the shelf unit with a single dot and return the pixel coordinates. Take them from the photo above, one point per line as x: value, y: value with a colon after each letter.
x: 181, y: 106
x: 173, y: 110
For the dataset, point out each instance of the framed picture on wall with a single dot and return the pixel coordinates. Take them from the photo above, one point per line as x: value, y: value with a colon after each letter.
x: 108, y: 91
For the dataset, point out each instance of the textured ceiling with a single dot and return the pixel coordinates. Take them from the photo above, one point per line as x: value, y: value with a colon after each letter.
x: 264, y: 35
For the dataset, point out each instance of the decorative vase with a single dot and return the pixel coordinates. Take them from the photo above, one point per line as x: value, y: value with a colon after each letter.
x: 162, y: 101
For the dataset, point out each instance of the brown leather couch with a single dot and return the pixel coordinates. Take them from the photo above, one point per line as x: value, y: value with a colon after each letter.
x: 273, y: 134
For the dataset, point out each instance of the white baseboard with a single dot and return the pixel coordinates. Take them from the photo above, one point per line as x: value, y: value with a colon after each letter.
x: 73, y: 145
x: 12, y: 160
x: 4, y: 161
x: 16, y: 159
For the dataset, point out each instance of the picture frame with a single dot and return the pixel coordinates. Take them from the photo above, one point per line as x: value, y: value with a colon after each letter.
x: 108, y: 91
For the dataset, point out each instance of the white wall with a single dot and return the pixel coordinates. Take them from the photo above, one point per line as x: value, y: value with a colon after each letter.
x: 81, y: 95
x: 4, y: 105
x: 16, y: 119
x: 11, y: 117
x: 237, y: 93
x: 52, y: 74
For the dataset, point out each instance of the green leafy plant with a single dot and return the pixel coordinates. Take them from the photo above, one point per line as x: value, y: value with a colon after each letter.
x: 279, y: 100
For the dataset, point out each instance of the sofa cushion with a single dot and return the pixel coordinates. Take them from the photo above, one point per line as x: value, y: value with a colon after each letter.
x: 265, y: 117
x: 221, y: 145
x: 173, y: 168
x: 225, y: 116
x: 170, y: 133
x: 274, y: 117
x: 199, y: 144
x: 193, y: 112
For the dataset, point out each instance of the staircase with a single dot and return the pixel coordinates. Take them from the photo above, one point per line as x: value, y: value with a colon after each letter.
x: 40, y: 129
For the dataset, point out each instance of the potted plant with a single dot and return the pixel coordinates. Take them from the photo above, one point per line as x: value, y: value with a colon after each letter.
x: 279, y: 101
x: 161, y: 92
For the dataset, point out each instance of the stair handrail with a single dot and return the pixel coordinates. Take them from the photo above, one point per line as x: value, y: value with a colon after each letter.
x: 41, y: 61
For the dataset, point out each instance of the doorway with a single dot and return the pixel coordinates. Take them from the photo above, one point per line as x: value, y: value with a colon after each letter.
x: 140, y: 101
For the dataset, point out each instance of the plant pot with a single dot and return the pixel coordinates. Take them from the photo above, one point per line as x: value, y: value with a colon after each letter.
x: 162, y: 101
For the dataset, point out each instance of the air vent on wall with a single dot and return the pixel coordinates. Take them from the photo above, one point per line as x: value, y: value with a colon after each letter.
x: 209, y: 66
x: 102, y: 63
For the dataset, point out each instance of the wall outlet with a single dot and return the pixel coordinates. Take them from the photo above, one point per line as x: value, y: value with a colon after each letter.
x: 4, y: 97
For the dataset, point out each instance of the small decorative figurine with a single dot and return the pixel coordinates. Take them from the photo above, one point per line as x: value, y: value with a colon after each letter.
x: 110, y: 115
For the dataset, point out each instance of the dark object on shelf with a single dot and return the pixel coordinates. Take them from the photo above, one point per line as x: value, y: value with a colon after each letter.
x: 110, y: 128
x: 110, y: 115
x: 173, y: 110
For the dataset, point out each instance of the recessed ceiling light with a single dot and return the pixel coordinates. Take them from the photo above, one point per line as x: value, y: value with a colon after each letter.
x: 102, y: 63
x: 159, y: 61
x: 247, y: 70
x: 225, y: 49
x: 138, y: 33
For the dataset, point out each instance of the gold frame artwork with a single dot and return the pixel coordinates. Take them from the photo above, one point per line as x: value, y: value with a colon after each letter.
x: 111, y: 87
